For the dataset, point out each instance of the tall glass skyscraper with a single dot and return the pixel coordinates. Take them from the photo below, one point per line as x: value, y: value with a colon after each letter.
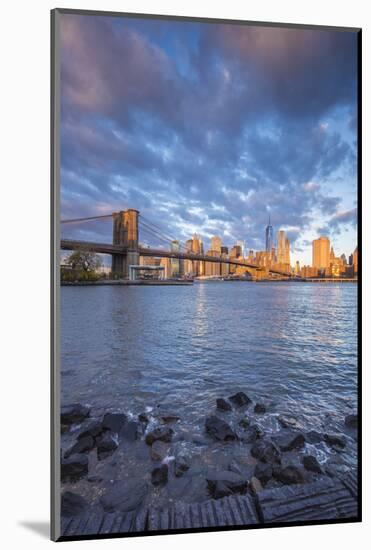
x: 269, y: 236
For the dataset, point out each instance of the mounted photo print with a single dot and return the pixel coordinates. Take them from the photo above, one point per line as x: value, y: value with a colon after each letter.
x: 206, y: 261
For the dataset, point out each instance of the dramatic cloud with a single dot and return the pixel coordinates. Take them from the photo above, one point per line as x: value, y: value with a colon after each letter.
x: 208, y: 128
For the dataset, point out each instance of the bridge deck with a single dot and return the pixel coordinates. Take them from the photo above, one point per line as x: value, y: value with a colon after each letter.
x: 322, y: 500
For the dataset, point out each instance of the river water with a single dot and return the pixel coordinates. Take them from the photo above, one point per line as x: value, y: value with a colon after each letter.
x: 292, y: 346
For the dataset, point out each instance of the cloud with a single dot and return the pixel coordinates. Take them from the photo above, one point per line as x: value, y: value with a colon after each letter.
x: 205, y: 128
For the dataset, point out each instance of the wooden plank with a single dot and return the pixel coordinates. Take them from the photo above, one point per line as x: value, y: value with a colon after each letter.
x: 107, y: 523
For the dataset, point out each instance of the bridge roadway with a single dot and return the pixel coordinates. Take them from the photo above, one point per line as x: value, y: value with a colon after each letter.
x: 104, y: 248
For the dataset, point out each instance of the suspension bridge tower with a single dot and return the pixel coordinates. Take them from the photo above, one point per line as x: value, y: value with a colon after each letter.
x: 125, y: 234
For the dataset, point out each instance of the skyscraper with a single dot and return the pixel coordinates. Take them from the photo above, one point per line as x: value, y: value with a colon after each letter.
x: 283, y: 248
x: 216, y: 244
x: 269, y: 236
x: 321, y: 253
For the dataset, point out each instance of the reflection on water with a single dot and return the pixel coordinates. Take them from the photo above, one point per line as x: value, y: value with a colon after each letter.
x: 292, y: 345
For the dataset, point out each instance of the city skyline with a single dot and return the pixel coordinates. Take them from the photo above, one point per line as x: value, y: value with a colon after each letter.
x: 212, y: 130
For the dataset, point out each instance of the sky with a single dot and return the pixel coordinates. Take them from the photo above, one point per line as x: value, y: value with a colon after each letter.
x: 209, y: 128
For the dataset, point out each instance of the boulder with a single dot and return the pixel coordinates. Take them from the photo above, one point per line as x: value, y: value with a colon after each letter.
x: 162, y: 433
x: 107, y: 443
x: 288, y: 440
x: 255, y: 485
x: 74, y: 413
x: 82, y: 445
x: 244, y: 423
x: 93, y: 429
x: 260, y: 408
x: 223, y: 405
x: 253, y: 433
x: 114, y: 421
x: 235, y: 467
x: 181, y: 465
x: 351, y: 421
x: 72, y: 504
x: 222, y: 484
x: 266, y: 451
x: 124, y: 496
x: 313, y: 437
x: 335, y: 440
x: 218, y: 429
x: 263, y: 472
x: 288, y: 475
x: 311, y: 464
x: 143, y: 417
x: 74, y: 467
x: 169, y: 418
x: 287, y: 421
x: 240, y: 399
x: 159, y: 475
x: 130, y: 430
x: 159, y: 450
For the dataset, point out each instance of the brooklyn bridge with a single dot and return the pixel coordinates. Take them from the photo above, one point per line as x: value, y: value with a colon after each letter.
x: 126, y: 249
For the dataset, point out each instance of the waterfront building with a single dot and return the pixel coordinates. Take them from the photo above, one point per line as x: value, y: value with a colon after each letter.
x: 198, y: 248
x: 283, y: 249
x: 166, y: 264
x: 321, y: 253
x: 212, y: 269
x: 297, y: 267
x: 269, y: 236
x: 355, y: 262
x: 343, y: 259
x: 308, y: 271
x: 216, y: 244
x: 174, y: 262
x: 241, y: 245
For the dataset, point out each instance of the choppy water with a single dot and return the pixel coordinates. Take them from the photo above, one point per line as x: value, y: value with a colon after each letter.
x: 293, y: 346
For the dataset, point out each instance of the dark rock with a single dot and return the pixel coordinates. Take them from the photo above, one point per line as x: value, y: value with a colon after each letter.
x: 240, y: 399
x: 124, y: 496
x: 74, y: 468
x: 311, y: 463
x: 218, y: 429
x: 107, y: 443
x: 114, y: 421
x: 255, y: 485
x: 244, y: 422
x: 181, y: 465
x: 288, y: 440
x: 143, y: 417
x: 253, y: 433
x: 266, y: 451
x: 159, y: 450
x: 288, y: 475
x: 313, y: 437
x: 130, y: 431
x: 260, y: 408
x: 223, y: 405
x: 351, y: 421
x: 287, y: 421
x: 162, y: 433
x: 169, y: 418
x: 334, y: 440
x: 72, y: 414
x: 93, y: 429
x: 263, y: 472
x: 83, y: 445
x: 235, y: 467
x: 94, y: 479
x: 159, y: 475
x: 72, y: 505
x: 222, y: 484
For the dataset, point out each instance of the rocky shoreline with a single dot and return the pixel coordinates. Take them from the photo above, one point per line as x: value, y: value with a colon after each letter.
x: 266, y: 460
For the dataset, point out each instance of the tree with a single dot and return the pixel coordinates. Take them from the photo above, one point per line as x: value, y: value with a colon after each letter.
x: 83, y: 260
